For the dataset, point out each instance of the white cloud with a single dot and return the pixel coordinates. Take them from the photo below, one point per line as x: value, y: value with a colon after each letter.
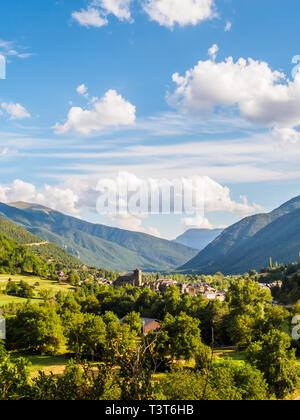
x: 166, y: 12
x: 9, y: 49
x: 119, y: 8
x: 82, y: 90
x: 218, y: 198
x: 15, y: 111
x: 287, y: 135
x: 127, y: 190
x: 171, y: 12
x: 212, y: 52
x: 228, y: 26
x: 110, y: 111
x: 78, y: 196
x: 198, y: 222
x: 19, y: 191
x: 63, y: 199
x: 90, y: 17
x: 59, y: 198
x: 98, y: 10
x: 262, y: 96
x: 133, y: 223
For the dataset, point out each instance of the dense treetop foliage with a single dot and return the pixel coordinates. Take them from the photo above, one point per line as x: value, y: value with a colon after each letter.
x: 86, y: 324
x: 110, y: 359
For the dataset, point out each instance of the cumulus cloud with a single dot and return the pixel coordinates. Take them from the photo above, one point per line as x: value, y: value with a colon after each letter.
x: 63, y: 199
x: 171, y: 12
x: 78, y: 197
x: 59, y: 198
x: 19, y: 191
x: 119, y: 8
x: 198, y: 222
x: 166, y: 12
x: 133, y: 223
x: 90, y: 17
x: 128, y: 193
x: 286, y: 135
x: 262, y: 96
x: 15, y: 111
x: 218, y: 198
x: 110, y: 111
x: 96, y: 13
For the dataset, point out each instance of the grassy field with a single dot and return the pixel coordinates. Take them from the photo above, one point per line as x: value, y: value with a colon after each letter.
x: 237, y: 357
x: 47, y: 364
x: 31, y: 280
x: 5, y: 300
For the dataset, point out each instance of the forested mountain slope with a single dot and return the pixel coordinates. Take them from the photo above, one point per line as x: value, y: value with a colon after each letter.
x: 249, y: 243
x: 99, y: 245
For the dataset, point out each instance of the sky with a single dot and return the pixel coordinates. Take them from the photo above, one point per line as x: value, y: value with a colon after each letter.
x: 116, y: 93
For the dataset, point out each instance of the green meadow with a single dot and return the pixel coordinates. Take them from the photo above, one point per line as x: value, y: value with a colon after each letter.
x: 43, y: 284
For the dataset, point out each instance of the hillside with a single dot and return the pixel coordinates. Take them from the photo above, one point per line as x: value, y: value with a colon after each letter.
x: 198, y: 238
x: 45, y: 251
x: 17, y: 233
x: 249, y: 243
x: 99, y: 245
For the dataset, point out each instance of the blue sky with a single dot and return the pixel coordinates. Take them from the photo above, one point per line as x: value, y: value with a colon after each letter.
x: 98, y: 87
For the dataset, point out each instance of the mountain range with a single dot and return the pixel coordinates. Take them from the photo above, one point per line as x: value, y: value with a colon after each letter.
x: 98, y: 245
x: 38, y: 246
x: 198, y: 238
x: 250, y: 243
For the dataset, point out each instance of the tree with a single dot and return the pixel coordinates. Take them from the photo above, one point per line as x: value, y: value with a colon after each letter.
x: 171, y: 300
x: 247, y: 304
x: 276, y: 318
x: 46, y: 295
x: 180, y: 384
x: 35, y: 328
x: 273, y: 357
x: 73, y: 279
x: 229, y: 381
x: 13, y: 377
x: 180, y: 337
x: 133, y: 319
x: 136, y: 369
x: 78, y: 382
x: 86, y: 335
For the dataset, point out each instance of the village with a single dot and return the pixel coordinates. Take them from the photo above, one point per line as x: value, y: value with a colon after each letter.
x: 161, y: 285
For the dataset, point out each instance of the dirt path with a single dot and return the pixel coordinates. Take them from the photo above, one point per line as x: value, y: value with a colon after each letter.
x: 38, y: 244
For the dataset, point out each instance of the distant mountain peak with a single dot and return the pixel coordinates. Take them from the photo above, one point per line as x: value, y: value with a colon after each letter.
x: 249, y: 243
x: 22, y: 205
x: 98, y: 245
x: 198, y: 238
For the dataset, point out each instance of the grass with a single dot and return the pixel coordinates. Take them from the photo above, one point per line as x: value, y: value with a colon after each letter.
x: 47, y: 364
x: 239, y: 358
x: 31, y: 280
x: 5, y: 300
